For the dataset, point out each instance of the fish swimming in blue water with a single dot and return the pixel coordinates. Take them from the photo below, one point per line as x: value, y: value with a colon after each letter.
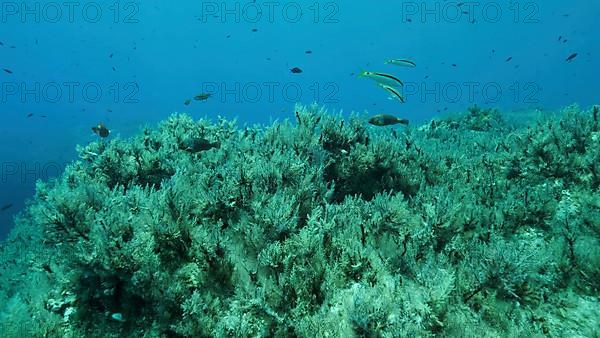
x: 101, y: 130
x: 401, y: 62
x: 381, y: 120
x: 395, y: 93
x: 382, y: 78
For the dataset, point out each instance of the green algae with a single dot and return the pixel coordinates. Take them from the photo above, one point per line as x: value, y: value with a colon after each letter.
x: 318, y: 226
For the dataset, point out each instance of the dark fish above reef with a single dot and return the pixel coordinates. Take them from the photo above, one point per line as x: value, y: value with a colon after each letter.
x: 101, y: 130
x: 202, y: 97
x: 296, y: 70
x: 6, y: 207
x: 386, y: 120
x: 197, y: 144
x: 571, y: 57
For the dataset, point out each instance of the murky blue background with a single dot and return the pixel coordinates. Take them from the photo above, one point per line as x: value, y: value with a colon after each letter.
x: 127, y: 64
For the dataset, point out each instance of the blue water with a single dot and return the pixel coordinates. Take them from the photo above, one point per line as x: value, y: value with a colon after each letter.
x: 61, y: 55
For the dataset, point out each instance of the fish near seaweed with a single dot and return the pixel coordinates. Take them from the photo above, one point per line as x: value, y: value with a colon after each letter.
x: 198, y: 144
x: 381, y: 120
x: 6, y: 207
x: 101, y: 130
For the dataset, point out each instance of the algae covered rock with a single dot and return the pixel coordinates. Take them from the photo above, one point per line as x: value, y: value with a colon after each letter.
x: 318, y: 226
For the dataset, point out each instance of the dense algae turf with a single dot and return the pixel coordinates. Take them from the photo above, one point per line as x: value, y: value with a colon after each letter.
x: 466, y: 226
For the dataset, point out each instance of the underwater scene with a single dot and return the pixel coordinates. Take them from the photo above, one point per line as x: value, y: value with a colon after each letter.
x: 299, y: 168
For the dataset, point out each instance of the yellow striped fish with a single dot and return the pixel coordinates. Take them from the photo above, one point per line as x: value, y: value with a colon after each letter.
x: 401, y: 62
x: 382, y: 78
x: 394, y: 92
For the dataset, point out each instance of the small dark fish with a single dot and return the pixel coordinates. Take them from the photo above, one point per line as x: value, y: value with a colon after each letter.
x: 6, y: 207
x: 454, y: 65
x: 565, y: 41
x: 308, y: 52
x: 255, y: 29
x: 47, y: 267
x: 101, y: 130
x: 197, y: 144
x: 228, y: 36
x: 111, y: 55
x: 296, y: 70
x: 571, y: 57
x: 426, y: 77
x: 409, y: 20
x: 460, y: 4
x: 109, y: 110
x: 29, y: 115
x: 268, y: 59
x: 509, y: 58
x: 114, y: 69
x: 202, y: 97
x: 381, y: 120
x: 559, y: 37
x: 187, y: 102
x: 7, y: 70
x: 1, y: 43
x: 43, y: 116
x: 465, y: 12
